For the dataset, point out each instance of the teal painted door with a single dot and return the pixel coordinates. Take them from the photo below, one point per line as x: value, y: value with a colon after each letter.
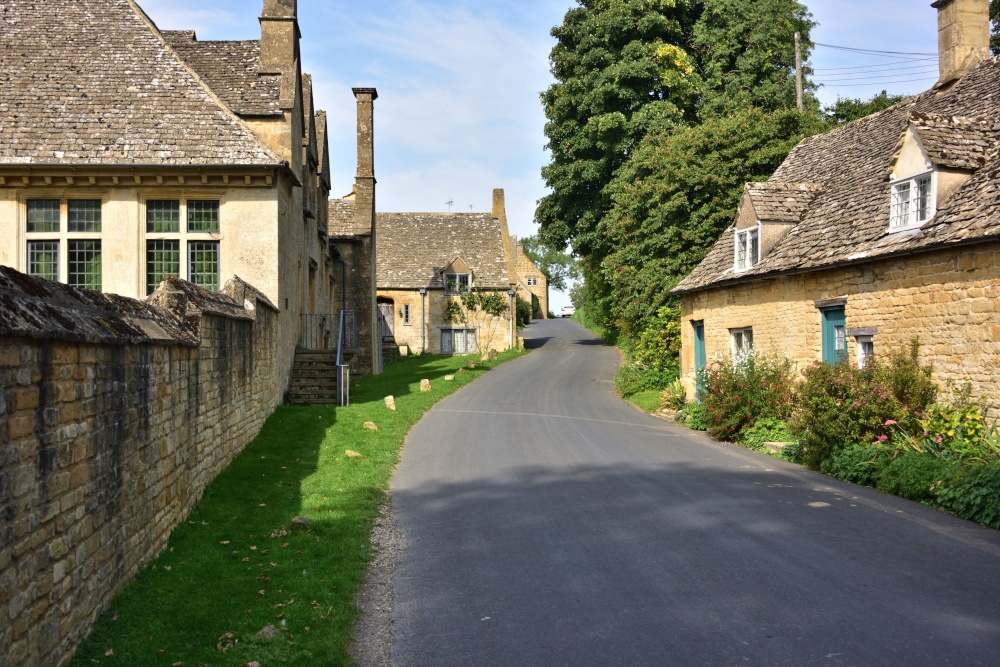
x: 700, y: 360
x: 834, y: 335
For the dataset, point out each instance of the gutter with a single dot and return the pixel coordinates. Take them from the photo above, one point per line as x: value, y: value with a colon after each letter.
x: 282, y: 166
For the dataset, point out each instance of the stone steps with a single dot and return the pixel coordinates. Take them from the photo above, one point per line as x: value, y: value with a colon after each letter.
x: 314, y: 378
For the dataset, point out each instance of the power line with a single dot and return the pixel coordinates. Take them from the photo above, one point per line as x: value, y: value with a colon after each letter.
x: 881, y: 68
x: 874, y: 83
x: 874, y: 52
x: 888, y: 77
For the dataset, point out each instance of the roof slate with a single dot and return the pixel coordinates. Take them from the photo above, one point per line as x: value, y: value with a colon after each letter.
x: 848, y: 222
x: 232, y: 70
x: 342, y: 221
x: 413, y: 248
x: 92, y: 82
x: 782, y: 202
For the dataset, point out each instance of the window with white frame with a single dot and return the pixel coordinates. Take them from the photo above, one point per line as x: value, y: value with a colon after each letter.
x: 190, y: 250
x: 913, y: 202
x: 866, y: 350
x: 741, y: 340
x: 532, y: 282
x: 63, y: 238
x: 458, y: 341
x: 747, y: 248
x: 457, y: 283
x: 406, y: 314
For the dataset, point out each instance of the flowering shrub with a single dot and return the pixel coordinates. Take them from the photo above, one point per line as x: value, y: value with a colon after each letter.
x: 737, y: 393
x: 842, y: 404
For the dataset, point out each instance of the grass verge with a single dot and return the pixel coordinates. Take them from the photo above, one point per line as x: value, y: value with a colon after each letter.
x: 647, y: 401
x: 235, y: 565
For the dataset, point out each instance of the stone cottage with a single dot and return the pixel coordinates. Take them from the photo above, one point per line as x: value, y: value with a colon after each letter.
x: 878, y: 232
x: 426, y: 262
x: 531, y: 282
x: 129, y: 154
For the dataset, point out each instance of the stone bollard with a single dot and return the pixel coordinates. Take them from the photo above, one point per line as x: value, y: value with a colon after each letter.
x: 425, y: 385
x: 390, y: 402
x: 370, y: 426
x: 449, y: 378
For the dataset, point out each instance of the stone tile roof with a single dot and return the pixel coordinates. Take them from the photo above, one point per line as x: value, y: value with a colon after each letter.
x: 413, y: 248
x: 960, y: 143
x: 848, y: 222
x: 782, y: 202
x: 342, y: 222
x: 232, y: 71
x: 92, y: 82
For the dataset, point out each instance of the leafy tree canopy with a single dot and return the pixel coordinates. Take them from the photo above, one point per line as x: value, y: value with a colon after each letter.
x: 845, y: 110
x: 995, y: 20
x: 675, y: 197
x: 626, y: 68
x: 559, y: 267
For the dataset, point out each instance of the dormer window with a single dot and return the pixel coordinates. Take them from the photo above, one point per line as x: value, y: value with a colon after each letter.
x: 913, y: 202
x: 747, y: 248
x: 457, y: 283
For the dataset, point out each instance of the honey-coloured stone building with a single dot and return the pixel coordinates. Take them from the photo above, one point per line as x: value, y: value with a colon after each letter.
x: 876, y: 233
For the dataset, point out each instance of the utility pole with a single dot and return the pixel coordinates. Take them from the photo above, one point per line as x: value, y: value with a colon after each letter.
x: 798, y: 72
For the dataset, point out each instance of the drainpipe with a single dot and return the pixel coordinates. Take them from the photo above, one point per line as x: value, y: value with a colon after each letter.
x: 510, y: 293
x: 423, y: 340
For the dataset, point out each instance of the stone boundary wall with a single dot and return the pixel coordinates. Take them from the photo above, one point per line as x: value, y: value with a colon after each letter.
x: 947, y: 299
x: 115, y: 414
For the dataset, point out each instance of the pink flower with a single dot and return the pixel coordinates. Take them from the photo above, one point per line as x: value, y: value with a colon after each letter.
x: 889, y: 422
x: 883, y: 438
x: 939, y: 438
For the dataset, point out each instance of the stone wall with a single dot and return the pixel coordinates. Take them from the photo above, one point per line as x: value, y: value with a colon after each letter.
x: 114, y: 416
x: 946, y: 299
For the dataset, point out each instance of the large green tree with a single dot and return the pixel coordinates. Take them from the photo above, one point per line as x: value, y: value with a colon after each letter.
x: 627, y: 68
x: 619, y: 71
x: 676, y: 195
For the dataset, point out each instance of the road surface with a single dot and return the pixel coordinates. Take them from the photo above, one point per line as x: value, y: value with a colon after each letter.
x: 547, y: 522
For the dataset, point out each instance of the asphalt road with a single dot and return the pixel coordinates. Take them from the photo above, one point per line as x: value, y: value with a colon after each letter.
x: 546, y: 522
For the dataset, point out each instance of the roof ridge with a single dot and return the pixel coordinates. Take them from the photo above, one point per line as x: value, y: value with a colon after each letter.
x: 201, y: 82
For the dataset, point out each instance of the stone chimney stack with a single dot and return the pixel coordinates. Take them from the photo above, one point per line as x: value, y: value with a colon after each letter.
x: 364, y: 218
x: 279, y: 35
x: 499, y: 206
x: 963, y: 36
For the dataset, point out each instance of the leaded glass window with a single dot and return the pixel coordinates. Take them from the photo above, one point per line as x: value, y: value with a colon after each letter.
x: 912, y: 202
x: 747, y: 249
x: 43, y: 215
x: 163, y: 259
x: 85, y: 264
x: 84, y: 215
x: 163, y: 216
x: 203, y: 264
x: 203, y: 216
x: 43, y: 259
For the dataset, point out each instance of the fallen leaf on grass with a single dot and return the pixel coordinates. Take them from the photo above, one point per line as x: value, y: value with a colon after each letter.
x: 253, y: 548
x: 114, y: 618
x: 354, y: 455
x: 262, y: 505
x: 286, y: 544
x: 110, y: 653
x: 274, y: 565
x: 245, y: 560
x: 224, y: 542
x: 260, y: 592
x: 316, y: 604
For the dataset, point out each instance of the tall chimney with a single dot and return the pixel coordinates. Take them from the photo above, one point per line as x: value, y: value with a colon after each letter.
x: 963, y: 36
x: 279, y: 35
x: 364, y: 219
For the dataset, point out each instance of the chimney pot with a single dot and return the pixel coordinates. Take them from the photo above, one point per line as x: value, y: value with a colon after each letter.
x: 963, y: 36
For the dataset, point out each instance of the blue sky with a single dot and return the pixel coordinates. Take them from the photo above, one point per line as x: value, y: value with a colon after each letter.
x: 458, y: 112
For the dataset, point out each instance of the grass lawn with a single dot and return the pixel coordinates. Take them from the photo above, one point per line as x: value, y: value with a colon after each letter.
x: 235, y: 565
x: 647, y: 401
